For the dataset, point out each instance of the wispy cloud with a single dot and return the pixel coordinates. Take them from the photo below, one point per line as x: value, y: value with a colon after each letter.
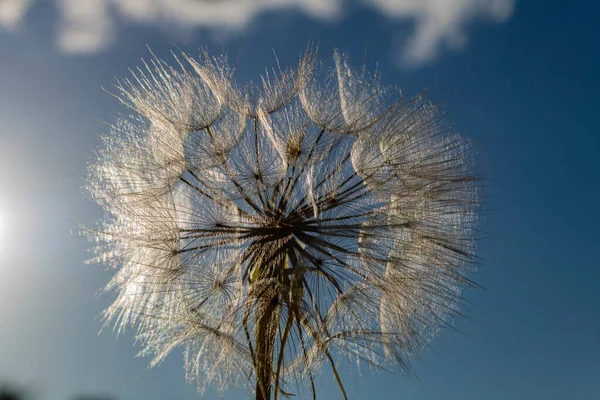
x: 12, y: 12
x: 440, y: 23
x: 88, y: 26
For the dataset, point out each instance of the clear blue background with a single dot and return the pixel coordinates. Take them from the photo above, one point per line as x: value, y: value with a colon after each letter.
x: 525, y: 92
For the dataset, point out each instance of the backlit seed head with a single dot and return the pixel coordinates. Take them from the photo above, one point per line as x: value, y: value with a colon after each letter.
x: 278, y: 227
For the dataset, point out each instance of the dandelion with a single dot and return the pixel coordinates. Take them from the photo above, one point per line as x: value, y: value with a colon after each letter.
x: 274, y: 230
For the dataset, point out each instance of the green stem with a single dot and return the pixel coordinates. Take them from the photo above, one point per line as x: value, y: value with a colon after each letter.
x: 266, y: 332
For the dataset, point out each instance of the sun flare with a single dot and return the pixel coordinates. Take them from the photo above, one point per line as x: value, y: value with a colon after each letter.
x: 3, y: 229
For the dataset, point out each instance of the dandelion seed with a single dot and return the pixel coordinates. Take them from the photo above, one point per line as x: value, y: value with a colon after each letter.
x: 270, y: 230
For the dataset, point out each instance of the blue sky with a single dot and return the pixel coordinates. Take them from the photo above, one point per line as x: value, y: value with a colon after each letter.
x: 519, y: 79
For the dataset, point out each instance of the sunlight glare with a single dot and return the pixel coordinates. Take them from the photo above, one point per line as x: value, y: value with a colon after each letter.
x: 3, y: 229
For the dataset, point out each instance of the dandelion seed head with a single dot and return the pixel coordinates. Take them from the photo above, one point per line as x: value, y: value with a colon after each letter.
x: 269, y: 229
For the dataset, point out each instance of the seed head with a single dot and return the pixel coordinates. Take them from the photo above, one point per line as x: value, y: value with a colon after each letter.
x: 269, y: 230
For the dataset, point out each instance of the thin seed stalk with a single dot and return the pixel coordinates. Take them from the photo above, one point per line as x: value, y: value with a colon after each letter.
x: 266, y: 332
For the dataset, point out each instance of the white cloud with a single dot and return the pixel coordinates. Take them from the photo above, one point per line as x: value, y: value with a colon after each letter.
x: 86, y: 26
x: 440, y: 22
x: 90, y: 25
x: 12, y: 12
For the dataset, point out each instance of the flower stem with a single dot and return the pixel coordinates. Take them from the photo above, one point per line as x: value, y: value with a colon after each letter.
x: 266, y: 331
